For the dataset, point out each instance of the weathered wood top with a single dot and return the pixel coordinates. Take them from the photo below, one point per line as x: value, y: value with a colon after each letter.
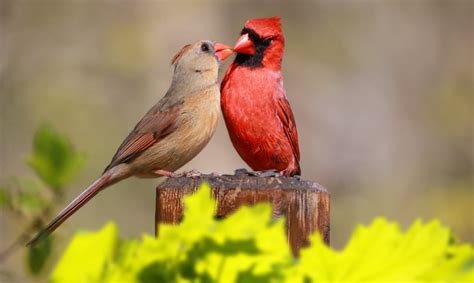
x: 244, y: 181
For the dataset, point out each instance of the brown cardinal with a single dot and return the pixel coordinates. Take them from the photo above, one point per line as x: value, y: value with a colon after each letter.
x: 257, y: 114
x: 172, y: 132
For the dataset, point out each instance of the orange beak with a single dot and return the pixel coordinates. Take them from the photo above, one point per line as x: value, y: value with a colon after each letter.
x: 244, y: 45
x: 222, y: 51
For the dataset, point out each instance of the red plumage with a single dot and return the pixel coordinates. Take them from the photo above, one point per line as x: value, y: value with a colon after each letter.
x: 257, y: 114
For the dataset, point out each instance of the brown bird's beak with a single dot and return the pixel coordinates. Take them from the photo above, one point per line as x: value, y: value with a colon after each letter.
x: 244, y: 45
x: 222, y: 51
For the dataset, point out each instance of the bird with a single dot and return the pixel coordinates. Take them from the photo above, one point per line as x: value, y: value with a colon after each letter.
x: 171, y: 133
x: 257, y: 114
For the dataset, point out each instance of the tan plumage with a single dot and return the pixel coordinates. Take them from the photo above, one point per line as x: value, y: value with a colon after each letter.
x: 172, y: 132
x: 196, y: 122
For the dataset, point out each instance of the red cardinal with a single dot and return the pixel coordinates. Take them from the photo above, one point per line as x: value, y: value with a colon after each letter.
x: 256, y: 112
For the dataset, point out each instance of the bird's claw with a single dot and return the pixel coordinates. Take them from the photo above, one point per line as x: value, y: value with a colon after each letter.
x: 267, y: 173
x: 169, y: 174
x: 192, y: 174
x: 243, y: 171
x: 297, y: 177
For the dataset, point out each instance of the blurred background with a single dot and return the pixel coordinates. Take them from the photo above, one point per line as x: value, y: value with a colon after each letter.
x: 382, y: 92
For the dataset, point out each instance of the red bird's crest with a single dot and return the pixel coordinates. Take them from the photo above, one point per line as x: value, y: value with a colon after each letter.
x: 265, y: 27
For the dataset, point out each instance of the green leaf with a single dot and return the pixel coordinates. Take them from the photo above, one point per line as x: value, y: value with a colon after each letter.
x: 39, y: 254
x: 5, y: 198
x: 29, y: 201
x: 53, y: 158
x: 456, y: 266
x: 249, y: 277
x: 248, y: 246
x: 87, y: 256
x: 155, y: 272
x: 380, y: 252
x: 187, y: 252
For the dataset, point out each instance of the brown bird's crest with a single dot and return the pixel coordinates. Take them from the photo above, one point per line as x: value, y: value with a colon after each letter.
x: 180, y: 53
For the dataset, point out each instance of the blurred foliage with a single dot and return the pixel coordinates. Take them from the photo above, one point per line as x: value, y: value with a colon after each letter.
x: 4, y: 198
x: 200, y: 248
x: 53, y: 158
x: 382, y: 253
x: 249, y: 246
x: 38, y: 255
x: 55, y: 162
x: 30, y: 198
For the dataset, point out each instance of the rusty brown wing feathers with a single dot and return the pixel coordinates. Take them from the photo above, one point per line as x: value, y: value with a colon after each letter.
x: 154, y: 126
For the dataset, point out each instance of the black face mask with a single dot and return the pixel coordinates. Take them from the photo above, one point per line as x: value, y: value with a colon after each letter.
x: 261, y: 44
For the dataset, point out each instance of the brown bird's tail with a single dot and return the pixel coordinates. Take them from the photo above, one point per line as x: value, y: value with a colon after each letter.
x: 72, y: 207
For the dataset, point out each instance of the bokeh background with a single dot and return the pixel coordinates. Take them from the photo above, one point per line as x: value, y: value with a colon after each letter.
x: 382, y: 92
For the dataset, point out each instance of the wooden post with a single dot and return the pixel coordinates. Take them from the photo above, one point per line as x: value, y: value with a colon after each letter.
x: 305, y: 204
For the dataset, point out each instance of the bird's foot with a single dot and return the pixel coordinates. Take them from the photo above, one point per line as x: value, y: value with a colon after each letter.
x: 267, y: 173
x: 191, y: 174
x: 243, y: 171
x: 166, y: 173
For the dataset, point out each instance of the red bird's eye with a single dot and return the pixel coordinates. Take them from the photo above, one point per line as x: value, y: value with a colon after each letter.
x: 267, y: 40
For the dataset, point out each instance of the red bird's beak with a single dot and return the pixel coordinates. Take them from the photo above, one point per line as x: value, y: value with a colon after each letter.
x: 244, y: 45
x: 222, y: 51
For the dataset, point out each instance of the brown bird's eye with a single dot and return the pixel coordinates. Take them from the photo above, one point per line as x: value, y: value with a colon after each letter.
x: 205, y: 47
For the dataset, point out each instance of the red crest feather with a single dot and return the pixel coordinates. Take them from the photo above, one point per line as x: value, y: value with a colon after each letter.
x: 265, y: 27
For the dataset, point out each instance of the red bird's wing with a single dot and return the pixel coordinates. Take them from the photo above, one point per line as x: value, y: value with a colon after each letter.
x: 155, y: 126
x: 289, y: 126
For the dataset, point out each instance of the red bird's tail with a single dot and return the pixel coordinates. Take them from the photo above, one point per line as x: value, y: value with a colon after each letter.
x: 72, y: 207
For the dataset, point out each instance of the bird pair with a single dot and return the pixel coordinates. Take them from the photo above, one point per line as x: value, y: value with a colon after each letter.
x: 257, y: 114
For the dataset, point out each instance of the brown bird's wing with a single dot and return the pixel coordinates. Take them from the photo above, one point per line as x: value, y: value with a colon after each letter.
x: 289, y: 126
x: 155, y: 126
